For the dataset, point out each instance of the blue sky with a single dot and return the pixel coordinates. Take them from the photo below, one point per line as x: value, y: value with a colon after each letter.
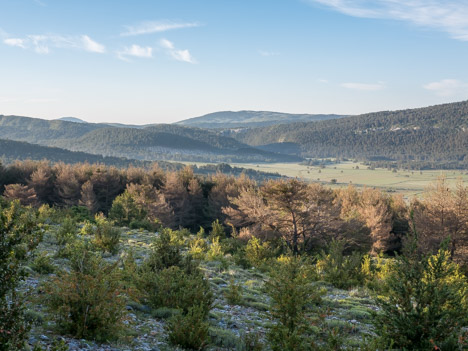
x: 154, y: 61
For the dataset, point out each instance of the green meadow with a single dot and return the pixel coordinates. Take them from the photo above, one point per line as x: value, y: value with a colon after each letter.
x: 409, y: 183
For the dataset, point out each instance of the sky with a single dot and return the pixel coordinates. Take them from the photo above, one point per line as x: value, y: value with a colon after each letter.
x: 160, y: 61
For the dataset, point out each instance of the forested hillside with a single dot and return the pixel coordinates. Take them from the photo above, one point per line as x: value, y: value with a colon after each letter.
x: 11, y: 151
x: 157, y: 142
x: 432, y: 134
x: 249, y: 119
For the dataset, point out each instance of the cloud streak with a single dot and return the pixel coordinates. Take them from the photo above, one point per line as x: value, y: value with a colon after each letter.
x: 363, y: 86
x: 135, y: 51
x: 176, y: 54
x: 156, y: 27
x: 450, y: 16
x: 42, y: 44
x: 447, y: 87
x: 266, y: 53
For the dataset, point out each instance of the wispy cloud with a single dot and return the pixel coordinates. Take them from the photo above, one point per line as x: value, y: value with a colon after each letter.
x: 42, y: 44
x: 450, y: 16
x: 15, y: 42
x: 156, y: 27
x: 447, y: 87
x: 179, y: 55
x: 135, y: 51
x: 364, y: 86
x: 267, y: 53
x: 92, y: 46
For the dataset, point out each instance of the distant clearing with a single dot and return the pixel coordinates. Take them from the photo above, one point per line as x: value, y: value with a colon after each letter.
x: 408, y: 183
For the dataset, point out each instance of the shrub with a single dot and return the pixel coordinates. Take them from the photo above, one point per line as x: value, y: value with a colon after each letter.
x: 172, y: 287
x: 217, y: 231
x: 88, y: 228
x: 426, y: 304
x: 107, y: 237
x: 376, y: 272
x: 166, y: 252
x: 143, y: 224
x: 215, y: 253
x: 43, y: 264
x: 80, y: 213
x: 88, y: 301
x: 19, y: 236
x: 340, y: 270
x: 250, y: 341
x: 189, y: 331
x: 257, y: 252
x: 234, y: 293
x: 66, y: 234
x: 291, y: 292
x: 198, y: 248
x: 125, y: 210
x: 165, y: 312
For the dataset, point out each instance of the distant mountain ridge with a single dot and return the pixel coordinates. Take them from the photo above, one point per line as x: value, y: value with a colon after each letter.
x: 249, y: 119
x: 71, y: 119
x: 153, y: 142
x: 432, y: 134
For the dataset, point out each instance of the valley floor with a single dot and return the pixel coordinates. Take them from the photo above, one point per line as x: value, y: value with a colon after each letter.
x: 408, y: 183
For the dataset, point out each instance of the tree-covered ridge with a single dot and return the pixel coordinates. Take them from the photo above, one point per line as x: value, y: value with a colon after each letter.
x: 11, y: 150
x: 156, y: 142
x: 249, y: 119
x: 436, y: 133
x: 40, y: 131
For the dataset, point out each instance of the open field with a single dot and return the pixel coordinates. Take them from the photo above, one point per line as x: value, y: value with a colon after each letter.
x: 409, y: 183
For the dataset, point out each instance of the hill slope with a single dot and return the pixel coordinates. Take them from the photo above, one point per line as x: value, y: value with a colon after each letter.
x: 155, y: 142
x: 432, y: 134
x: 248, y: 119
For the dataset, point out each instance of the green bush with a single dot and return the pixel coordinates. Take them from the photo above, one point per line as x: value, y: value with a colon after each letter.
x: 125, y: 210
x: 250, y: 341
x: 198, y: 248
x: 80, y: 213
x: 215, y: 253
x: 143, y: 224
x: 19, y: 236
x: 169, y: 279
x: 165, y: 312
x: 88, y: 301
x: 338, y: 269
x: 257, y: 252
x: 106, y: 236
x: 426, y: 304
x: 234, y: 293
x: 65, y: 235
x: 217, y: 231
x: 189, y: 331
x: 166, y: 252
x: 172, y: 287
x: 43, y: 264
x: 291, y: 292
x: 88, y: 228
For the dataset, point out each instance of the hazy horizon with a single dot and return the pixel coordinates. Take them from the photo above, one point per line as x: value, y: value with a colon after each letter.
x: 160, y: 62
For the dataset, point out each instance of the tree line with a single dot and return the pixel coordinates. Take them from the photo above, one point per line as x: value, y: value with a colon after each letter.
x: 300, y: 216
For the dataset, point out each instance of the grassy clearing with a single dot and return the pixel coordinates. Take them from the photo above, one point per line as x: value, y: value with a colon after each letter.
x: 409, y: 183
